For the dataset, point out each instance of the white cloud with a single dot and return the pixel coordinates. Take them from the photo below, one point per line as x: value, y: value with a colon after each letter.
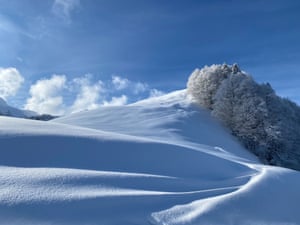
x: 10, y: 82
x: 63, y: 8
x: 88, y: 96
x: 116, y: 101
x: 46, y: 96
x: 155, y: 93
x: 140, y: 87
x: 57, y: 95
x: 120, y: 83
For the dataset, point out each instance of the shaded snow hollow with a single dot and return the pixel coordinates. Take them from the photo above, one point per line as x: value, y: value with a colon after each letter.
x: 158, y: 161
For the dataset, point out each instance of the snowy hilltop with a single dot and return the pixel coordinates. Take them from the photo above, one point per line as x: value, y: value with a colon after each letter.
x: 160, y: 161
x: 265, y: 123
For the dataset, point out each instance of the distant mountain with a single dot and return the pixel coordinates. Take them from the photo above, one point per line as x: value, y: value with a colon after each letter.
x: 6, y: 110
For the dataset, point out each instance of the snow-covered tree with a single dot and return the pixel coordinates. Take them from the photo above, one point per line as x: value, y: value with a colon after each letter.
x: 267, y: 125
x: 204, y: 83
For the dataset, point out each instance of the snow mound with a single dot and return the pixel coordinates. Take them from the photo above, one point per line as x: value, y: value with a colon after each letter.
x: 172, y: 118
x: 158, y: 161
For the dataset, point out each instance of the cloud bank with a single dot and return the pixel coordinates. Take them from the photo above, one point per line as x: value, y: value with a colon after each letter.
x: 46, y: 96
x: 10, y: 82
x: 120, y: 83
x: 88, y: 95
x: 51, y: 95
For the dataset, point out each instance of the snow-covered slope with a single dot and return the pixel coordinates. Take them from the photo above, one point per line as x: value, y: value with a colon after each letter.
x: 7, y: 110
x: 158, y: 161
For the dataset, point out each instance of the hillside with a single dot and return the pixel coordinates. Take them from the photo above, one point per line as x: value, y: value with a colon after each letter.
x: 267, y: 124
x: 6, y: 110
x: 158, y: 161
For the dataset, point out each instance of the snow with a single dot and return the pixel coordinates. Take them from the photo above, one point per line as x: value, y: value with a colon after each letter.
x: 7, y: 110
x: 158, y: 161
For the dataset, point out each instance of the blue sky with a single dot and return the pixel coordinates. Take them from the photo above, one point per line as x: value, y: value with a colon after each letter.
x: 149, y: 47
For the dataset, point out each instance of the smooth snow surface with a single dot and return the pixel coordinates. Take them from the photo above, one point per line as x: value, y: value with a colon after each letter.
x: 159, y: 161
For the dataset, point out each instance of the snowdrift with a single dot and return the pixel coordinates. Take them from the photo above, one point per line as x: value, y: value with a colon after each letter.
x: 158, y: 161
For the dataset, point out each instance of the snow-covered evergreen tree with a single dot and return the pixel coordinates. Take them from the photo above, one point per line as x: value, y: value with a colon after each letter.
x: 267, y: 125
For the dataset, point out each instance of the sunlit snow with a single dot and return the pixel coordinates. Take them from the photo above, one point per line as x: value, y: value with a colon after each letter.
x: 159, y: 161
